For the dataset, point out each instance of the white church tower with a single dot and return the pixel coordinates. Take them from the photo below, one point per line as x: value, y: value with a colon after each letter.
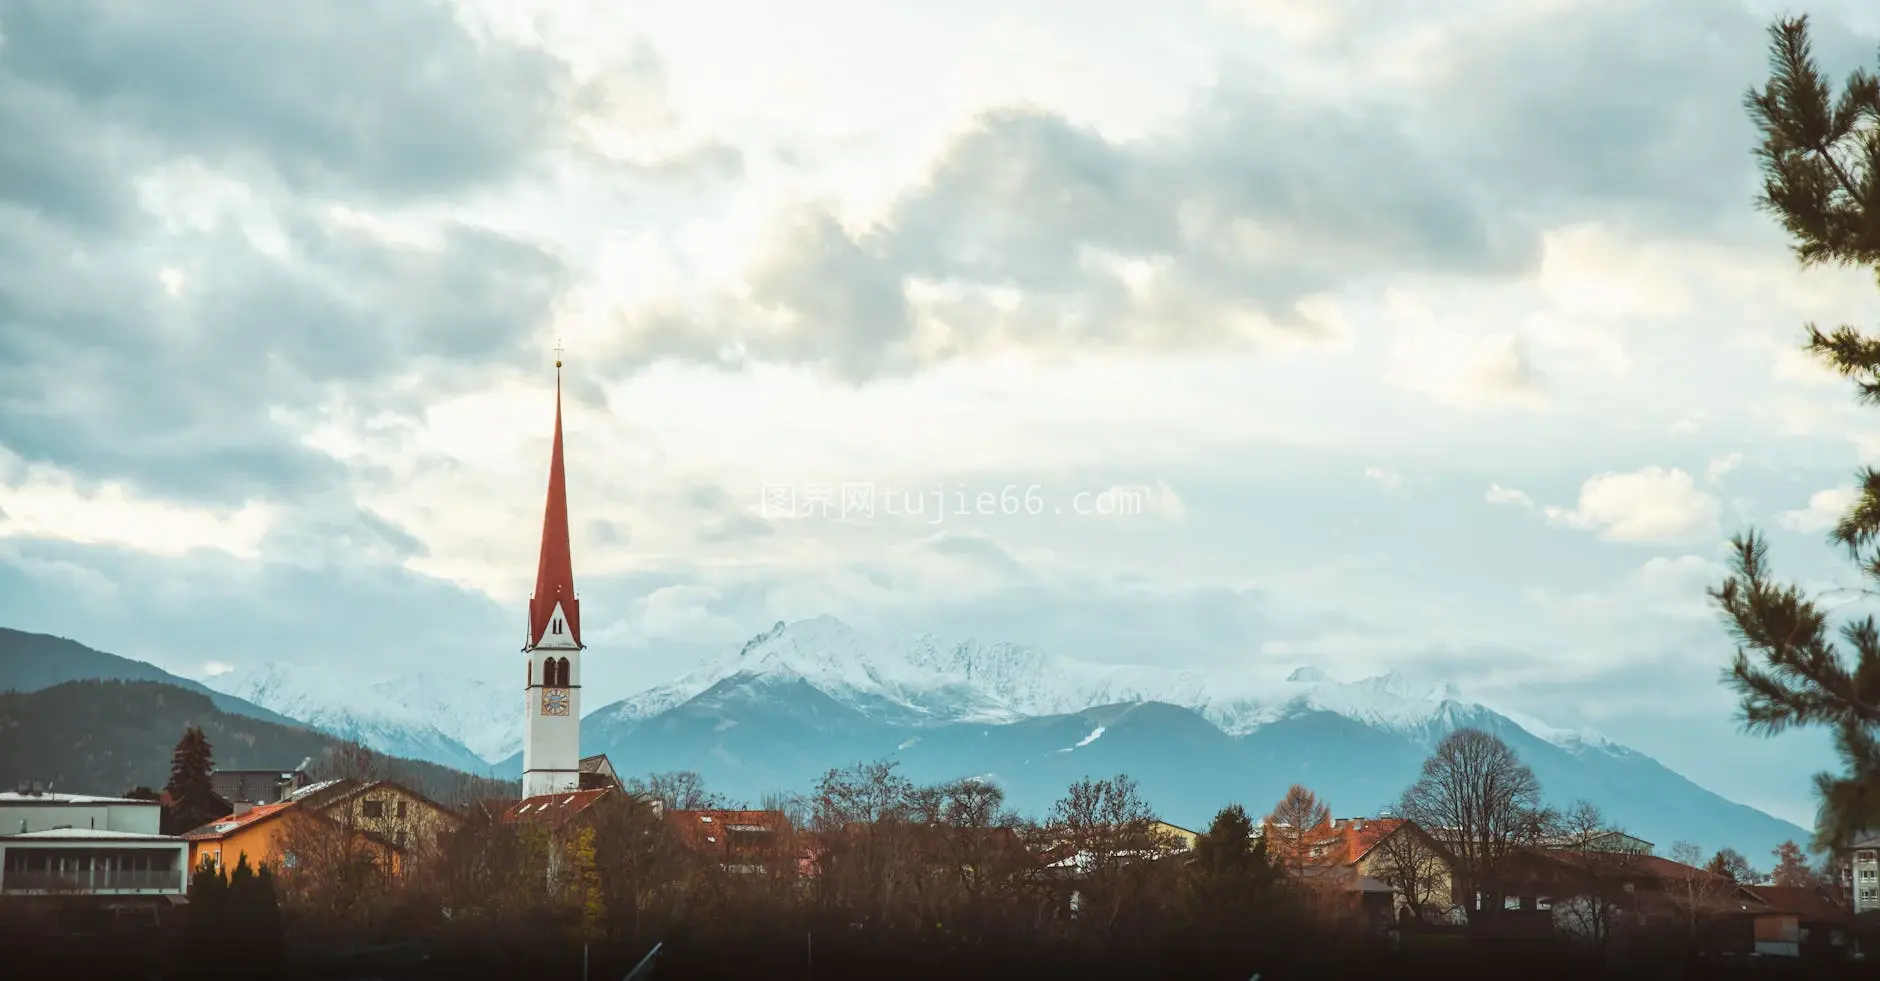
x: 551, y: 747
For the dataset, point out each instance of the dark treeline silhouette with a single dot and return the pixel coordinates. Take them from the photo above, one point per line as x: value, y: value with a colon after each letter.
x: 872, y: 875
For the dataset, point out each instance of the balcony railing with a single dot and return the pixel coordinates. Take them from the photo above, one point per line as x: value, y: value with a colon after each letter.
x: 97, y: 880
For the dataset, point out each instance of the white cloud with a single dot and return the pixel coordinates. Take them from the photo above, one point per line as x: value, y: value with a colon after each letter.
x: 1660, y: 605
x: 1458, y: 364
x: 1823, y: 512
x: 1795, y: 366
x: 1157, y: 500
x: 1650, y: 506
x: 1719, y: 466
x: 1498, y: 494
x: 1390, y: 480
x: 683, y: 613
x: 46, y: 503
x: 211, y: 669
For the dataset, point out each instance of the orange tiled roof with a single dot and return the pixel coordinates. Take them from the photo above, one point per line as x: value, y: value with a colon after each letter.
x: 1348, y: 840
x: 235, y: 822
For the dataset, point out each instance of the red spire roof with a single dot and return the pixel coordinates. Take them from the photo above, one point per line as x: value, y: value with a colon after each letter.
x: 554, y: 571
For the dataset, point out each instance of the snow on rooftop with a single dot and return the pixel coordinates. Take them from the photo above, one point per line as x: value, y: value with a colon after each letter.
x: 96, y: 834
x: 14, y: 797
x: 310, y: 789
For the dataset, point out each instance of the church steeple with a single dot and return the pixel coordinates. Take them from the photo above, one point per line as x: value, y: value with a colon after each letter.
x: 551, y: 738
x: 554, y: 613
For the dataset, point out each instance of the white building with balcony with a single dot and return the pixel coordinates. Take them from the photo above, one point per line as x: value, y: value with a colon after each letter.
x: 70, y: 845
x: 1860, y: 873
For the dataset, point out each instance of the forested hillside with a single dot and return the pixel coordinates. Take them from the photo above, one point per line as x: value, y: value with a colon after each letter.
x: 105, y: 737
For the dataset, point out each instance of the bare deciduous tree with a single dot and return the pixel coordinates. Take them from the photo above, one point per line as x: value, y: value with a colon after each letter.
x: 349, y: 761
x: 1695, y: 892
x: 1110, y: 836
x: 1602, y: 880
x: 1484, y: 805
x: 1791, y: 868
x: 679, y: 790
x: 333, y: 874
x: 1730, y: 863
x: 1416, y: 866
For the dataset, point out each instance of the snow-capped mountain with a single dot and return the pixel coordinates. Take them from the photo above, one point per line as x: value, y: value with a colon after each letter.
x: 805, y: 697
x: 466, y: 723
x: 933, y: 680
x: 808, y: 696
x: 927, y: 680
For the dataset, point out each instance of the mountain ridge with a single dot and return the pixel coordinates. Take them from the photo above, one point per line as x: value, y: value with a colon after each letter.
x: 806, y: 696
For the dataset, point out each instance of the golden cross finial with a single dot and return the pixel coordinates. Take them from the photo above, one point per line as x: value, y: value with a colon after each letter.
x: 557, y: 352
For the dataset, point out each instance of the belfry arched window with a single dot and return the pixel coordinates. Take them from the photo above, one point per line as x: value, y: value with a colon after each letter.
x: 561, y: 672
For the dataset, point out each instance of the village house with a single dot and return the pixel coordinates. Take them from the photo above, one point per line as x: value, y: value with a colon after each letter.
x: 1860, y: 873
x: 1611, y: 896
x: 1180, y: 838
x: 563, y: 817
x: 1796, y: 921
x: 103, y: 849
x: 597, y: 773
x: 1391, y: 868
x: 736, y: 841
x: 274, y: 834
x: 406, y: 818
x: 243, y: 789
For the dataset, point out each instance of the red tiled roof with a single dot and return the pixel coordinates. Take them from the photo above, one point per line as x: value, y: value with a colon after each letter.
x: 554, y: 570
x: 1634, y: 865
x: 1806, y: 903
x: 235, y: 822
x: 704, y: 829
x: 554, y: 808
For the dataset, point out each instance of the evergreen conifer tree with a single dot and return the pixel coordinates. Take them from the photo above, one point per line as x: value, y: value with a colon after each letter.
x: 207, y: 925
x: 192, y: 796
x: 1226, y: 895
x: 1820, y: 157
x: 266, y: 923
x: 1229, y: 872
x: 238, y: 914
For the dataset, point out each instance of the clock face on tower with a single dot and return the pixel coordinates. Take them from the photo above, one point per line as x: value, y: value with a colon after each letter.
x: 554, y: 701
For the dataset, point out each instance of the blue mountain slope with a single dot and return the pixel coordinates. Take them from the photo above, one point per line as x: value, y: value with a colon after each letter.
x: 752, y: 735
x: 34, y: 662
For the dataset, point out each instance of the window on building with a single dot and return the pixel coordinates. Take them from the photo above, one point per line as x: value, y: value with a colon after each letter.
x: 1863, y: 856
x: 289, y: 860
x: 401, y: 809
x: 557, y: 625
x: 372, y: 808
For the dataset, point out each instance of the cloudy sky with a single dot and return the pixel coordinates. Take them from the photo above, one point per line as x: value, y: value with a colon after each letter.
x: 1448, y: 343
